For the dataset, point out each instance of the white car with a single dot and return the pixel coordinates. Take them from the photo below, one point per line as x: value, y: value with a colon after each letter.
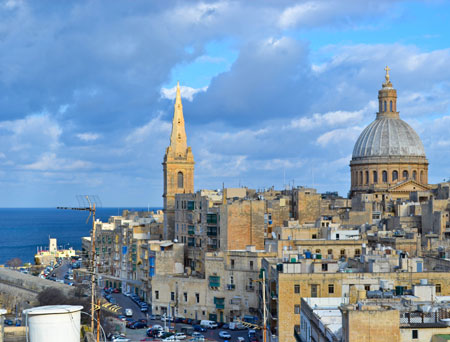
x: 180, y: 336
x: 128, y: 312
x: 170, y: 338
x: 197, y: 335
x: 120, y: 339
x: 224, y: 334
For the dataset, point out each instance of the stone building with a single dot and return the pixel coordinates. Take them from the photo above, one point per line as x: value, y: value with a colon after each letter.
x: 178, y: 168
x: 388, y: 157
x: 287, y: 284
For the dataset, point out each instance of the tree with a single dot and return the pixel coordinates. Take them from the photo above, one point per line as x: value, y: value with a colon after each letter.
x: 14, y: 262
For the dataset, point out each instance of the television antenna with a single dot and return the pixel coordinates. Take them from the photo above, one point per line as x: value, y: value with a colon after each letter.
x: 89, y: 203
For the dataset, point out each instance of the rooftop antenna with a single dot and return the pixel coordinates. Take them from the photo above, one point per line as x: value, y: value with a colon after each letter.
x: 89, y: 203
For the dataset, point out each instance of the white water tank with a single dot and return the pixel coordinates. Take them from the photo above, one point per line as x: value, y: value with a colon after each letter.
x: 53, y: 323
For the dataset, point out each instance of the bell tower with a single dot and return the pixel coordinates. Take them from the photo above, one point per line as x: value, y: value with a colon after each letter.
x: 178, y: 168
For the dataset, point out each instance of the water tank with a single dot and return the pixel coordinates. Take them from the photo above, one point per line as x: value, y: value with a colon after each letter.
x: 307, y: 254
x: 384, y: 284
x: 53, y: 323
x: 423, y: 281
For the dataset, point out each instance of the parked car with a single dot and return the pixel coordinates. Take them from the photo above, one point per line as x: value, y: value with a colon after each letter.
x: 120, y: 339
x: 128, y: 312
x: 8, y: 322
x: 199, y: 328
x: 138, y: 325
x: 224, y: 334
x: 197, y: 335
x: 180, y: 336
x: 251, y: 332
x: 240, y: 339
x: 116, y: 291
x: 208, y: 324
x: 152, y: 317
x: 128, y: 294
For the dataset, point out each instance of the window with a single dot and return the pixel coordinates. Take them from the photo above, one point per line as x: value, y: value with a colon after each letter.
x: 367, y: 177
x: 296, y: 288
x: 324, y: 267
x: 394, y: 175
x: 156, y: 294
x: 414, y: 175
x: 367, y: 287
x: 384, y: 175
x: 180, y: 179
x: 342, y: 252
x: 337, y: 236
x: 232, y: 263
x: 172, y: 295
x: 314, y: 236
x: 203, y: 313
x: 314, y: 290
x: 415, y: 334
x: 390, y: 106
x: 375, y: 177
x: 385, y: 107
x: 357, y: 252
x: 360, y: 178
x: 330, y: 253
x: 185, y: 296
x: 251, y: 265
x: 330, y: 288
x: 422, y: 179
x: 438, y: 288
x: 405, y: 174
x: 297, y: 309
x: 197, y: 297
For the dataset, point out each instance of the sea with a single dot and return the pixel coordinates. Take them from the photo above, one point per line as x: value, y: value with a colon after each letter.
x: 22, y: 231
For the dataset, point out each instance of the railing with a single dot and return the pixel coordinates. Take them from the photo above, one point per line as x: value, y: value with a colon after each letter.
x: 424, y: 318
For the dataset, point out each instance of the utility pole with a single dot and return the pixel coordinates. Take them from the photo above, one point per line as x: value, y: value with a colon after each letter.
x: 88, y: 203
x: 264, y: 304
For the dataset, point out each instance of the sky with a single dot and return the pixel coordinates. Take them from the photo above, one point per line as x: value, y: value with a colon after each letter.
x: 275, y: 92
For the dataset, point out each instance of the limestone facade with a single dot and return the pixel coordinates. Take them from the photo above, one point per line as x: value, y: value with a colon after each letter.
x: 178, y: 168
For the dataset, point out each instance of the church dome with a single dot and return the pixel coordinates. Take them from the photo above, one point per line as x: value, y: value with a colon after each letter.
x: 388, y: 137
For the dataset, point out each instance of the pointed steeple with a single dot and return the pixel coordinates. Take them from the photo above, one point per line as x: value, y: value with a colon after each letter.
x: 178, y: 140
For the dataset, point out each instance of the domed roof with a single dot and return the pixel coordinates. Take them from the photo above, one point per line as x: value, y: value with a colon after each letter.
x: 388, y: 137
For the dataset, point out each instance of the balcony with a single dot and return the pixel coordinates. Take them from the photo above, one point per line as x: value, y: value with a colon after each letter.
x: 231, y: 287
x: 214, y: 281
x: 249, y: 288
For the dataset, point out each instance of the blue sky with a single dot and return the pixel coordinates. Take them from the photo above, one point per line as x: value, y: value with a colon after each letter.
x: 275, y: 92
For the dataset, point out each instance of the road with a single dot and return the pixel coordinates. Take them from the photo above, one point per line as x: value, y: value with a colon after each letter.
x: 136, y: 335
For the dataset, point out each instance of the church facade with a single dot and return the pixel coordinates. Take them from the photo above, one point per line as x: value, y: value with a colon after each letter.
x: 388, y: 157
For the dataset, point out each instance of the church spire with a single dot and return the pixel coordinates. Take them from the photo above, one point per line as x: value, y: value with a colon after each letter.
x: 178, y: 140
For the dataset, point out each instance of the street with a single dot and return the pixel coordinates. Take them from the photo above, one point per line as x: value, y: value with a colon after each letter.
x: 136, y: 335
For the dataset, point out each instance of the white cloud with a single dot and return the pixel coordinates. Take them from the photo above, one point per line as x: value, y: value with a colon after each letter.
x: 334, y: 118
x: 88, y: 136
x: 339, y: 136
x: 50, y: 162
x: 152, y: 129
x: 186, y: 92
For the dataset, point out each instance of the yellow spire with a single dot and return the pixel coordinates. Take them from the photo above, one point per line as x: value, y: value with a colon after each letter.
x: 178, y: 141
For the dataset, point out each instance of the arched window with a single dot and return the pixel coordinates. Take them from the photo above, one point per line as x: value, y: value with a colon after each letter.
x: 414, y: 175
x: 330, y: 252
x: 405, y: 174
x: 390, y: 104
x: 367, y: 177
x: 180, y: 179
x: 385, y: 106
x: 384, y: 177
x: 394, y: 175
x: 375, y: 177
x: 360, y: 178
